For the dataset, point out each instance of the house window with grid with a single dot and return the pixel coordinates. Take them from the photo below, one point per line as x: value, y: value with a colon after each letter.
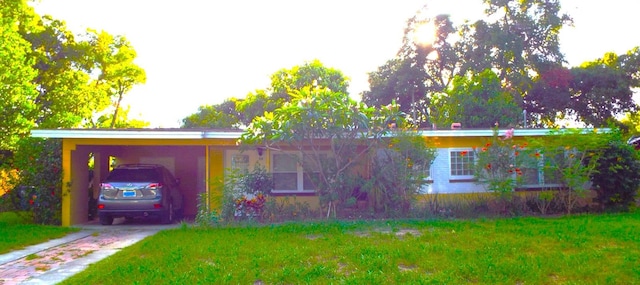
x: 290, y: 176
x: 543, y: 172
x: 462, y: 162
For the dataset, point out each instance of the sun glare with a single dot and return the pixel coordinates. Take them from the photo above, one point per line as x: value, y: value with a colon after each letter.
x: 424, y: 34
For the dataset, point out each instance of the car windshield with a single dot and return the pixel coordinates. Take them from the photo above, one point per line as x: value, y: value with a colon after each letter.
x: 133, y: 175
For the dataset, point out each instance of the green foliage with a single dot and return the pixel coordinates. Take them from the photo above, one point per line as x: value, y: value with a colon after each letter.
x: 17, y: 91
x: 476, y: 101
x: 520, y: 38
x: 499, y: 164
x: 312, y: 74
x: 288, y: 209
x: 51, y: 80
x: 205, y: 217
x: 220, y: 116
x: 569, y: 157
x: 414, y: 75
x: 398, y: 173
x: 245, y: 194
x: 122, y: 121
x: 594, y: 93
x: 318, y: 120
x: 112, y: 58
x: 236, y: 113
x: 617, y: 177
x: 516, y: 39
x: 40, y: 164
x: 605, y: 91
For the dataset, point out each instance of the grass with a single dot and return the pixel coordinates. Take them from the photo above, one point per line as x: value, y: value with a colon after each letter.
x: 568, y: 250
x: 17, y: 232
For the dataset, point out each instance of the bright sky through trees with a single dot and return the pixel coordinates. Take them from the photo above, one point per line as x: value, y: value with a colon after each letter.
x: 199, y: 52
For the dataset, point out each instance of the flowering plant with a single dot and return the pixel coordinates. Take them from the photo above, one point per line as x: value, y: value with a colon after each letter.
x: 250, y: 206
x: 498, y: 163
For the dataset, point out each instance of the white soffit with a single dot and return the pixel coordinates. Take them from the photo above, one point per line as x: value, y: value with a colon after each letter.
x: 133, y: 134
x: 200, y: 134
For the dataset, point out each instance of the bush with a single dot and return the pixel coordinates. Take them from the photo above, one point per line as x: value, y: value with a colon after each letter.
x: 39, y: 163
x: 617, y: 177
x: 245, y: 194
x: 398, y: 173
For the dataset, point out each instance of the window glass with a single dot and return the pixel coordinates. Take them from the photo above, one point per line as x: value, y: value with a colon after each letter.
x: 309, y: 180
x: 134, y: 175
x: 462, y: 162
x: 284, y: 163
x: 285, y: 181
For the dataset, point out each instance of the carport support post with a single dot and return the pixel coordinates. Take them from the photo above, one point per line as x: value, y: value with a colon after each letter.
x: 67, y: 147
x: 215, y: 180
x: 75, y: 184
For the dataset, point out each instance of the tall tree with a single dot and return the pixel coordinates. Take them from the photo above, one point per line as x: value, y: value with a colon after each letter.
x: 516, y: 40
x: 240, y: 112
x: 523, y: 38
x: 65, y: 96
x: 476, y: 101
x: 420, y: 68
x: 349, y: 130
x: 549, y: 98
x: 17, y: 91
x: 105, y: 121
x: 600, y: 91
x: 118, y: 74
x: 221, y: 116
x: 595, y: 93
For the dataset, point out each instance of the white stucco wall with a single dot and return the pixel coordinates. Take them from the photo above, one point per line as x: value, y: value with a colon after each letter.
x: 441, y: 176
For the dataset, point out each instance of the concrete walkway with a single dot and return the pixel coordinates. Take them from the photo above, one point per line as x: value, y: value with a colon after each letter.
x: 56, y: 260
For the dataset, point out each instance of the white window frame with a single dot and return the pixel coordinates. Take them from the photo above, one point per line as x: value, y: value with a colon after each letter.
x: 470, y: 152
x: 299, y: 173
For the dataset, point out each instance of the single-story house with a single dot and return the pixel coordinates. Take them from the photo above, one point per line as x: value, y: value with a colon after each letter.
x: 200, y: 157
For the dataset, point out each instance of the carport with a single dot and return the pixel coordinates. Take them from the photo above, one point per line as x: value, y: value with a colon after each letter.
x: 194, y: 156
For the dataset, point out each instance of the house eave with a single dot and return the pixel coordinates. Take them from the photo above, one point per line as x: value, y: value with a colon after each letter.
x: 133, y: 134
x: 216, y: 134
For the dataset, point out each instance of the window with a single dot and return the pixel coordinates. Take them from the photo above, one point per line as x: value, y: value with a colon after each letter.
x: 462, y: 162
x: 285, y: 172
x: 542, y: 172
x: 289, y: 175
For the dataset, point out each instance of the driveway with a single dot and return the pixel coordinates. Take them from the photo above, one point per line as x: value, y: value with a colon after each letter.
x: 53, y: 261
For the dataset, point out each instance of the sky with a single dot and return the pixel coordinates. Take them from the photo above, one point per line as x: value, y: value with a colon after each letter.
x: 201, y: 52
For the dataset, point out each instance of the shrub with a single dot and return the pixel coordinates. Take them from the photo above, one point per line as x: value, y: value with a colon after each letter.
x: 39, y: 162
x: 617, y: 176
x: 398, y: 172
x: 569, y: 158
x: 245, y: 194
x: 287, y: 209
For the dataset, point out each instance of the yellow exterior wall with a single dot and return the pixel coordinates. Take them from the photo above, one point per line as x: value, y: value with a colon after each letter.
x: 473, y: 142
x: 67, y: 147
x: 216, y: 178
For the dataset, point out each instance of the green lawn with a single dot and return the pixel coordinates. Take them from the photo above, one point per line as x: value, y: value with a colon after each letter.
x: 16, y: 232
x: 586, y: 249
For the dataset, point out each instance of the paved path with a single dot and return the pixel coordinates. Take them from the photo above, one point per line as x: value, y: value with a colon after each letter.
x: 56, y: 260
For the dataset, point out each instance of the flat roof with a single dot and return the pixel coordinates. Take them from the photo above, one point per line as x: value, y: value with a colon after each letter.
x: 235, y: 134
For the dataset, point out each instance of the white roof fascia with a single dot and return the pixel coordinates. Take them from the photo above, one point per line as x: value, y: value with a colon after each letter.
x: 173, y: 134
x: 131, y: 134
x: 488, y: 133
